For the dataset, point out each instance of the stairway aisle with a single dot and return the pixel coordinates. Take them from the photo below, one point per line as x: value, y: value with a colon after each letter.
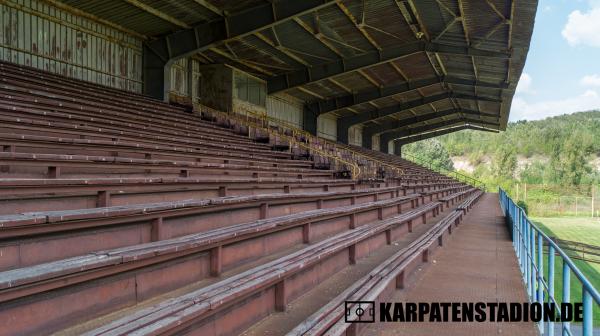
x: 477, y: 265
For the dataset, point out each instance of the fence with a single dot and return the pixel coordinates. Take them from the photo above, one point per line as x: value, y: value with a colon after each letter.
x: 556, y: 200
x: 577, y: 250
x: 441, y: 170
x: 528, y: 241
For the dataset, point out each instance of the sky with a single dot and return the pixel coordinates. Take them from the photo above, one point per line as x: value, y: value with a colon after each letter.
x: 562, y: 72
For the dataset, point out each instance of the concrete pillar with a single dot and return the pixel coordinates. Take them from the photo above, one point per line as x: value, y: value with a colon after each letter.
x: 155, y: 75
x: 190, y: 78
x: 309, y: 119
x: 397, y: 148
x: 342, y: 131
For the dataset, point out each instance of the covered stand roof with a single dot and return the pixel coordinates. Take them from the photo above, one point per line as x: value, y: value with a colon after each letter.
x: 397, y: 67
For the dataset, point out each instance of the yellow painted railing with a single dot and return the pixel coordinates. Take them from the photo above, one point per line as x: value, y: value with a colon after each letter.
x: 266, y: 121
x: 262, y: 124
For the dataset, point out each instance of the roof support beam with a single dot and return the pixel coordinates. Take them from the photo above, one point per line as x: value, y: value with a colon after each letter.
x: 158, y: 13
x: 78, y: 12
x: 442, y: 124
x: 190, y: 41
x: 343, y: 124
x: 204, y: 36
x: 429, y: 135
x: 209, y: 6
x: 332, y: 105
x: 324, y: 71
x: 402, y: 123
x: 359, y: 25
x: 386, y: 111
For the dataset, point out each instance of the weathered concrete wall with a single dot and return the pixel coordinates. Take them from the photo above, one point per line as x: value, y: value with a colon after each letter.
x: 327, y: 126
x: 376, y: 143
x: 285, y: 108
x: 36, y: 34
x: 355, y: 136
x: 216, y: 83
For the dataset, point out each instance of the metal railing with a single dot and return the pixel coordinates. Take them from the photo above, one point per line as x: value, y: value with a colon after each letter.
x: 307, y: 135
x: 309, y: 142
x: 441, y: 170
x: 528, y: 241
x: 291, y: 139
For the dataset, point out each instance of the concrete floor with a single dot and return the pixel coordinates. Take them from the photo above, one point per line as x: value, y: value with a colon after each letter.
x: 477, y: 265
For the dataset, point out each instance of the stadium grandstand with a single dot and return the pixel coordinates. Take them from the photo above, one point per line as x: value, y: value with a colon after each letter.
x: 218, y: 167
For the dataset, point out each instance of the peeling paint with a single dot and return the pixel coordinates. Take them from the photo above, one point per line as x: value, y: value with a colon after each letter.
x: 41, y: 36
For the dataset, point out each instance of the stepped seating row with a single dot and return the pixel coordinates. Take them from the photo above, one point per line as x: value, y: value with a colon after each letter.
x: 378, y: 285
x: 457, y: 197
x: 82, y: 102
x: 123, y: 211
x: 25, y: 234
x: 49, y: 145
x: 370, y: 166
x: 408, y: 166
x: 61, y: 165
x: 26, y: 195
x: 56, y: 130
x: 271, y: 286
x: 26, y: 89
x: 161, y: 266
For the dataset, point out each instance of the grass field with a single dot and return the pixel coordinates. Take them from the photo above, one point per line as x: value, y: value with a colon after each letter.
x: 584, y: 230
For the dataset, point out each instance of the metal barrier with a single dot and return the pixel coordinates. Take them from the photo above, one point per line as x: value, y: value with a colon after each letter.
x: 309, y: 142
x: 296, y: 132
x: 456, y: 175
x: 262, y: 124
x: 528, y: 241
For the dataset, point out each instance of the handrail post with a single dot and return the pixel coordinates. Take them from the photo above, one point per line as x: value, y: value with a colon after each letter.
x: 526, y: 255
x: 550, y: 285
x: 524, y: 243
x: 566, y: 293
x: 540, y: 274
x: 588, y: 317
x: 532, y: 270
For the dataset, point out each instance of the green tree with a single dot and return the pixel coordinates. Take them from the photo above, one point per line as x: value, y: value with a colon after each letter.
x: 574, y: 158
x: 504, y: 162
x: 430, y: 150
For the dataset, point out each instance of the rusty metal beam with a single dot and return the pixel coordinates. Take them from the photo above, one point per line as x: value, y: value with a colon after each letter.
x: 332, y: 105
x: 434, y: 127
x: 158, y: 54
x: 359, y: 25
x: 78, y: 12
x: 204, y: 36
x: 234, y: 58
x: 157, y: 13
x: 366, y: 60
x: 209, y: 6
x: 436, y: 133
x: 319, y: 36
x: 403, y: 123
x: 282, y: 49
x: 343, y: 124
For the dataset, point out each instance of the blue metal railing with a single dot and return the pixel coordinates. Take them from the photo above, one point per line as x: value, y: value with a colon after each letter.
x: 539, y: 287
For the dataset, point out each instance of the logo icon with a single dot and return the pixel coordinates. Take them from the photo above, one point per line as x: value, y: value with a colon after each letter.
x: 360, y: 312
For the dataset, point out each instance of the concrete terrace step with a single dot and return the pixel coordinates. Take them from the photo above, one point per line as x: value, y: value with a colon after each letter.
x: 54, y: 165
x: 31, y: 280
x: 37, y: 144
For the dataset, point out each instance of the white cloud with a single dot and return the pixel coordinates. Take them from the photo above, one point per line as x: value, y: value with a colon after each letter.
x: 583, y: 28
x: 591, y: 80
x: 524, y: 85
x: 521, y: 109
